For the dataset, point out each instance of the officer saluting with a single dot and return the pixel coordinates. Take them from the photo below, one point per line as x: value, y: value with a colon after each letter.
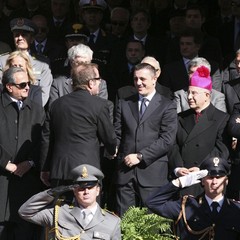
x: 84, y: 219
x: 210, y: 215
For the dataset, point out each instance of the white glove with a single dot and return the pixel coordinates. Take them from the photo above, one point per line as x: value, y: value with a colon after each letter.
x: 192, y: 178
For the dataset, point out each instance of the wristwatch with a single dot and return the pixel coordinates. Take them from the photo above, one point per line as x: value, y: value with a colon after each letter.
x: 139, y: 156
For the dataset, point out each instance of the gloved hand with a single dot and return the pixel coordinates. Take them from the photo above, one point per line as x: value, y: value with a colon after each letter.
x: 60, y: 189
x: 192, y: 178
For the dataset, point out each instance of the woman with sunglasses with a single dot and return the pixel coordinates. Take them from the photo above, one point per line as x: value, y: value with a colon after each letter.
x: 21, y: 59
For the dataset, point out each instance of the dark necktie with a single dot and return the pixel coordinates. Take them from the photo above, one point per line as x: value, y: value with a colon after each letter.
x: 143, y: 106
x: 39, y: 48
x: 58, y: 24
x: 19, y: 104
x: 214, y: 206
x: 91, y: 42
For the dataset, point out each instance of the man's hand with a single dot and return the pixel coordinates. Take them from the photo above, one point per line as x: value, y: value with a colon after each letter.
x: 190, y: 179
x: 60, y: 189
x: 131, y: 160
x: 11, y: 167
x: 22, y: 168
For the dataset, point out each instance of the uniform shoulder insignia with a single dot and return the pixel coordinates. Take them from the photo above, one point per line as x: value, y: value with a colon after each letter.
x: 233, y: 200
x: 3, y: 54
x: 105, y: 210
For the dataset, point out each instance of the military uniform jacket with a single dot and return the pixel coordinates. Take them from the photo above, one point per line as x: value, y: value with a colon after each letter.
x: 152, y: 136
x: 40, y: 210
x: 198, y: 214
x: 41, y: 71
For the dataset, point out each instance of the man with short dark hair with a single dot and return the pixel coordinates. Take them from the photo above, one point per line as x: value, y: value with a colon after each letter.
x: 208, y: 216
x: 20, y: 135
x: 146, y: 125
x: 84, y: 219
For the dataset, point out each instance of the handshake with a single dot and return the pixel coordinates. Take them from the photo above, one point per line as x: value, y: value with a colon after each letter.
x: 190, y: 179
x: 57, y: 191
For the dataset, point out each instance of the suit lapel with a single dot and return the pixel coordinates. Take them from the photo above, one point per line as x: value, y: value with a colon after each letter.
x: 133, y: 104
x: 203, y: 124
x: 97, y: 218
x: 76, y: 213
x: 68, y: 85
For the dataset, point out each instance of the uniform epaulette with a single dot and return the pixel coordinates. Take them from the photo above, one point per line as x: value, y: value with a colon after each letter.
x: 232, y: 200
x: 105, y: 210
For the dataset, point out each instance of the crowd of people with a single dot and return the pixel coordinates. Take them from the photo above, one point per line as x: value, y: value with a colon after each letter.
x: 106, y: 105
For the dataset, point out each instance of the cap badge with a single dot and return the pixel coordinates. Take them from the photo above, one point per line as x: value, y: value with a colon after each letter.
x: 216, y: 161
x: 84, y: 173
x: 93, y: 2
x: 76, y: 27
x: 20, y: 22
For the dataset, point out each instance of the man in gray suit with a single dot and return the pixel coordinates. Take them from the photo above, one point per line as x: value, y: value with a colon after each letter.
x: 181, y: 96
x: 62, y: 85
x: 84, y: 219
x: 144, y: 139
x: 23, y: 33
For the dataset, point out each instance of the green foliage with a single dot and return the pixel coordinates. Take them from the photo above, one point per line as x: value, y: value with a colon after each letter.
x: 137, y: 224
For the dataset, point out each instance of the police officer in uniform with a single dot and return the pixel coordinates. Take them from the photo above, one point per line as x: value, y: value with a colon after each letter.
x: 23, y: 33
x: 208, y: 216
x: 83, y: 219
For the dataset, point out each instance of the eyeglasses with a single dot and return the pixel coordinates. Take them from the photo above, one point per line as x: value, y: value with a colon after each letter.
x: 21, y: 85
x: 234, y: 4
x: 117, y: 23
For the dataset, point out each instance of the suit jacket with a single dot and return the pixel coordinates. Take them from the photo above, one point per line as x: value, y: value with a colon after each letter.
x: 198, y: 214
x: 76, y: 123
x: 152, y: 135
x: 41, y: 71
x: 175, y: 76
x: 181, y: 99
x: 20, y: 136
x: 40, y: 210
x: 62, y: 85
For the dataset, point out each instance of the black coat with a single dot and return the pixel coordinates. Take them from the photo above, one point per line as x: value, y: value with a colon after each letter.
x: 76, y: 124
x: 20, y: 136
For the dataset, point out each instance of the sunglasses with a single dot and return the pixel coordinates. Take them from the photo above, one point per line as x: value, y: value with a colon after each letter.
x: 116, y: 23
x: 21, y: 85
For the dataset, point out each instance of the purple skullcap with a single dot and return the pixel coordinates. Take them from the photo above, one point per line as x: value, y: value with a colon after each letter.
x: 201, y: 78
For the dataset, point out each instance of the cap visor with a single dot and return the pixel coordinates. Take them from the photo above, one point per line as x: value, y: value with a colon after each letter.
x: 89, y: 184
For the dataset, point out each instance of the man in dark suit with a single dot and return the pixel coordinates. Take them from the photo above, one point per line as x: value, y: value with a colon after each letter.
x: 201, y: 129
x: 76, y: 124
x: 208, y: 216
x: 190, y: 42
x: 21, y: 124
x: 146, y: 125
